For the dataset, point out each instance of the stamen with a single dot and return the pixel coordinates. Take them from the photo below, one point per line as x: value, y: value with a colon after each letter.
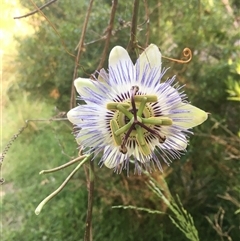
x: 142, y: 106
x: 125, y: 111
x: 114, y: 127
x: 141, y: 141
x: 150, y: 98
x: 140, y: 135
x: 113, y: 105
x: 164, y: 121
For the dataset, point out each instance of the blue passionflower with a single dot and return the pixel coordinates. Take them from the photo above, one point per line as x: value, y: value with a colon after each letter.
x: 131, y: 116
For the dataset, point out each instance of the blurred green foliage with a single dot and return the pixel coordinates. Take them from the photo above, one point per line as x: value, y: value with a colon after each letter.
x: 206, y: 179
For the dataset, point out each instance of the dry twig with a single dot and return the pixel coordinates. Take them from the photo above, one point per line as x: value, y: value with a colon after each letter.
x: 109, y: 34
x: 35, y: 11
x: 79, y: 47
x: 133, y: 40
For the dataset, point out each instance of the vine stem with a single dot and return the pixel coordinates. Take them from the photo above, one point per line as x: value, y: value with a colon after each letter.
x: 88, y: 227
x: 147, y: 22
x: 79, y: 48
x: 109, y: 34
x: 132, y: 43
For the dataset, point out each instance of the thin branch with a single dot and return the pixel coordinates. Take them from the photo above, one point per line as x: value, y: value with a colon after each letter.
x: 217, y: 225
x: 79, y: 46
x: 109, y: 33
x: 230, y: 12
x: 159, y: 15
x: 233, y: 200
x: 55, y: 30
x: 37, y: 10
x: 95, y: 41
x: 147, y: 21
x: 218, y: 123
x: 88, y: 227
x: 133, y: 41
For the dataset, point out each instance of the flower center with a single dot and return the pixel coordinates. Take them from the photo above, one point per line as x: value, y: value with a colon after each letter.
x: 134, y: 120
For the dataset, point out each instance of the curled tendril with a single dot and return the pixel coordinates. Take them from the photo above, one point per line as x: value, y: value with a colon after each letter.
x: 187, y: 53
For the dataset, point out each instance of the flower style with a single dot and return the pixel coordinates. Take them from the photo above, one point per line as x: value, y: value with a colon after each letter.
x: 131, y: 116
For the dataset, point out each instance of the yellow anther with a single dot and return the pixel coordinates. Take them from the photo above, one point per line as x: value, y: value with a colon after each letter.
x: 113, y: 105
x: 161, y: 120
x: 150, y: 98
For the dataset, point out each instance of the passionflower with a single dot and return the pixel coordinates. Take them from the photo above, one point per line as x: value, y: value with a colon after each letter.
x: 129, y: 115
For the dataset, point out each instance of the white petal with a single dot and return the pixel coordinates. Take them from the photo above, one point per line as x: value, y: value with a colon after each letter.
x: 175, y: 142
x: 180, y: 144
x: 114, y: 158
x: 85, y: 135
x: 117, y: 55
x: 82, y: 83
x: 168, y: 97
x: 121, y: 68
x: 152, y: 58
x: 73, y: 116
x: 103, y: 76
x: 189, y: 116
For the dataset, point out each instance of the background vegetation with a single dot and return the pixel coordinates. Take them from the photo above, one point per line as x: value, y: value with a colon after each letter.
x: 37, y: 80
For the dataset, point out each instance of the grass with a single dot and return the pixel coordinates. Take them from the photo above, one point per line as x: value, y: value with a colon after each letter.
x: 35, y: 149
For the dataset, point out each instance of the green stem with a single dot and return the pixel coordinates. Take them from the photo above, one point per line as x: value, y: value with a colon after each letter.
x: 88, y: 227
x: 62, y: 166
x: 53, y: 194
